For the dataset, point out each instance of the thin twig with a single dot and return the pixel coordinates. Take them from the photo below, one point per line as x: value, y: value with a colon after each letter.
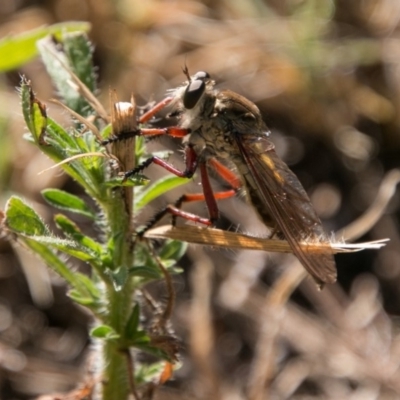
x: 273, y: 311
x: 80, y: 118
x: 166, y: 314
x: 131, y: 374
x: 370, y: 217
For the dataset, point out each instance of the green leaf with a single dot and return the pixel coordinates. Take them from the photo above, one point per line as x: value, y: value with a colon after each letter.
x: 34, y: 112
x: 22, y: 219
x: 104, y: 332
x: 91, y: 296
x: 68, y: 202
x: 89, y: 284
x: 87, y: 171
x: 119, y: 277
x: 148, y: 273
x: 149, y: 372
x: 52, y: 241
x: 60, y: 145
x: 17, y: 50
x: 83, y: 300
x: 173, y: 250
x: 76, y: 252
x: 63, y: 141
x: 79, y: 52
x: 69, y: 247
x: 106, y: 132
x: 71, y: 230
x: 56, y: 264
x: 155, y: 351
x: 72, y: 54
x: 132, y: 323
x: 137, y: 180
x: 157, y: 189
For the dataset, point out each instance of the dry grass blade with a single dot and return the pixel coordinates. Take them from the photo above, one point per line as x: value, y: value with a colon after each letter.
x: 88, y: 95
x: 82, y: 89
x: 70, y: 159
x: 272, y: 312
x: 363, y: 224
x: 233, y: 240
x: 81, y: 119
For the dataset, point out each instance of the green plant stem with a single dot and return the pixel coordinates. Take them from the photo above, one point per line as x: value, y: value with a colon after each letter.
x: 116, y: 384
x: 119, y: 215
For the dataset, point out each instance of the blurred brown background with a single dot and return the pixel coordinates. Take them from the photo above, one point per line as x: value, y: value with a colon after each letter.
x: 326, y: 76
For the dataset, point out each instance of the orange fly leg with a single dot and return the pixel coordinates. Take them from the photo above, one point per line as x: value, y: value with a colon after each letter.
x: 154, y: 110
x: 208, y: 196
x: 226, y: 174
x: 175, y: 212
x: 190, y: 159
x: 173, y: 131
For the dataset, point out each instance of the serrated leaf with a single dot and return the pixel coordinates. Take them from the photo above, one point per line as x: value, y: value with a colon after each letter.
x: 104, y: 332
x: 157, y: 189
x: 68, y: 202
x: 19, y: 49
x: 22, y: 219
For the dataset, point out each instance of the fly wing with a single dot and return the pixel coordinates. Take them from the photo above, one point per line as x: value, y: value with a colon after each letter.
x: 288, y: 204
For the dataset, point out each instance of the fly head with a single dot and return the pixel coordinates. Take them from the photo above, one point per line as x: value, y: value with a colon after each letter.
x: 195, y: 89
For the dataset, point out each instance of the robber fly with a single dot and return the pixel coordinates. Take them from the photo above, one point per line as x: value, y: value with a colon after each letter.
x: 223, y: 125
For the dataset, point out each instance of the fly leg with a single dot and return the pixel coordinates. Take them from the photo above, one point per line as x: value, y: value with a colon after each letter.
x: 191, y: 166
x: 173, y: 131
x: 208, y: 196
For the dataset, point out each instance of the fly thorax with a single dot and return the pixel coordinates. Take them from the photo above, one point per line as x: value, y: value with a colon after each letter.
x: 195, y: 117
x: 196, y: 141
x: 218, y: 141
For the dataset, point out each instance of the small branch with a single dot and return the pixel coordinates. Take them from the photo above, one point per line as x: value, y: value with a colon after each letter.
x: 166, y: 315
x: 363, y: 224
x: 131, y: 374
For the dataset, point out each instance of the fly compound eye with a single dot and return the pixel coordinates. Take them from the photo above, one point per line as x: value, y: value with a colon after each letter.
x: 201, y: 75
x: 193, y: 93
